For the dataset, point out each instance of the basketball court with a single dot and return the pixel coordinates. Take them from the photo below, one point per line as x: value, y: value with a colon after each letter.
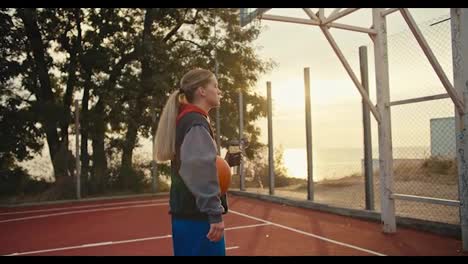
x: 141, y: 226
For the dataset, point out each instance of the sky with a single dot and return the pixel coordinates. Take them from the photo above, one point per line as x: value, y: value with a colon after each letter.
x: 336, y: 103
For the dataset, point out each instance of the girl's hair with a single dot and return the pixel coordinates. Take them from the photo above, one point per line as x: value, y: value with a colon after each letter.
x: 166, y: 131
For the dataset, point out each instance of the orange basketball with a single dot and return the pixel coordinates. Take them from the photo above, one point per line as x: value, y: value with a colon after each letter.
x: 224, y: 174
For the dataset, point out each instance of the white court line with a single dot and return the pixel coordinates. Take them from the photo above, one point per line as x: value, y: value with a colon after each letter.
x: 309, y: 234
x: 80, y: 212
x: 83, y: 206
x: 246, y: 226
x: 124, y: 242
x: 88, y: 245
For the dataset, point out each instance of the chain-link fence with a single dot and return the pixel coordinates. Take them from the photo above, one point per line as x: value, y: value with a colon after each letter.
x: 423, y: 136
x: 423, y: 132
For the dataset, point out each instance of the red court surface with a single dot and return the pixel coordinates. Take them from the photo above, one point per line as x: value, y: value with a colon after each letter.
x: 141, y: 226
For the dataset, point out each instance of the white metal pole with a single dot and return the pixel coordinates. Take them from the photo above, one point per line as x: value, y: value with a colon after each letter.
x: 308, y: 121
x: 385, y: 131
x: 338, y: 15
x: 459, y: 22
x: 77, y: 151
x: 218, y: 118
x: 241, y: 143
x: 154, y: 164
x: 271, y: 161
x: 368, y: 168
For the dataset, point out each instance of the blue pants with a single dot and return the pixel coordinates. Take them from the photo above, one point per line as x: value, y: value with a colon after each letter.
x: 189, y: 239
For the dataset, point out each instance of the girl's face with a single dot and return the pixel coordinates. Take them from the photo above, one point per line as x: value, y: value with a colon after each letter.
x: 211, y: 93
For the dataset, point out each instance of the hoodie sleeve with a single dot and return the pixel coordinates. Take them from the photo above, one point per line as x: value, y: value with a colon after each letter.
x: 198, y: 170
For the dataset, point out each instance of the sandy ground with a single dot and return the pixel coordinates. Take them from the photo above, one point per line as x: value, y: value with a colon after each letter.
x: 349, y: 192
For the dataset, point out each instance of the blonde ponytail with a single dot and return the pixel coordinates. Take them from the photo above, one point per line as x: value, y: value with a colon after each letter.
x: 166, y: 132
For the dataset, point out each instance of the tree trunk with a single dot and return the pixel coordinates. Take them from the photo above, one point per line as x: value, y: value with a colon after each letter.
x: 45, y: 96
x: 99, y: 175
x: 99, y: 171
x: 84, y: 135
x: 127, y: 151
x: 133, y: 122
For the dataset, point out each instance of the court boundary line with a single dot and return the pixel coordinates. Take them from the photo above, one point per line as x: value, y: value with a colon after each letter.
x: 80, y: 212
x: 82, y: 206
x: 84, y: 200
x: 107, y: 243
x: 309, y: 234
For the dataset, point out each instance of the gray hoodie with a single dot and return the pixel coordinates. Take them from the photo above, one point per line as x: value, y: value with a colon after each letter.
x: 198, y: 171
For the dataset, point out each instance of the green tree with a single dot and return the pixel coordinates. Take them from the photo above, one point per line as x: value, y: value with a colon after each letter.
x: 123, y: 63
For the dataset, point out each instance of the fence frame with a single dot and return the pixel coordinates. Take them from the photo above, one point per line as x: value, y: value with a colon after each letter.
x: 458, y: 92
